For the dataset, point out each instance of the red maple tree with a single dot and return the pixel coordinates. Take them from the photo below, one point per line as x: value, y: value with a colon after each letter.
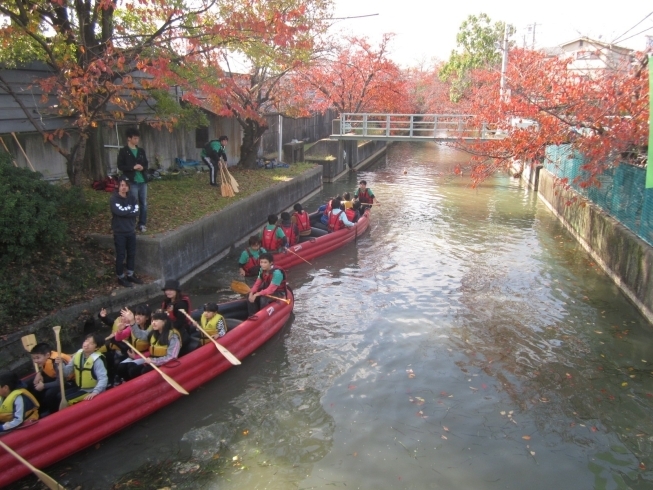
x: 603, y: 115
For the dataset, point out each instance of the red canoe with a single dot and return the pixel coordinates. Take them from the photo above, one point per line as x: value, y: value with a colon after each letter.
x: 59, y: 435
x: 322, y: 245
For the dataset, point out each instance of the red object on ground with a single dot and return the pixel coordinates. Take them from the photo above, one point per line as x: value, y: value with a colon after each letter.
x: 59, y: 435
x: 321, y: 245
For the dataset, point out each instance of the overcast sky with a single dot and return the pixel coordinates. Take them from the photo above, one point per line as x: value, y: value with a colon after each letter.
x: 425, y: 30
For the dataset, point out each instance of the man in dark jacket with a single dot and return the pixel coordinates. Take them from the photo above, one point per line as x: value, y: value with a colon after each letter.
x: 132, y: 162
x: 211, y: 155
x: 124, y: 210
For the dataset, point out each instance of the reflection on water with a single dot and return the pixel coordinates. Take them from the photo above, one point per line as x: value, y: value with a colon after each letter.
x: 465, y: 342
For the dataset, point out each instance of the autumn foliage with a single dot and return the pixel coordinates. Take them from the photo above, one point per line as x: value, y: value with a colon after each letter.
x: 603, y: 114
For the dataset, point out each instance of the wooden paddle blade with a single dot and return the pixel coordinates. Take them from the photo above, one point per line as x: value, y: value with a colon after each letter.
x: 47, y: 480
x: 170, y: 381
x: 167, y: 378
x: 240, y: 287
x: 29, y: 341
x: 221, y: 349
x: 62, y: 388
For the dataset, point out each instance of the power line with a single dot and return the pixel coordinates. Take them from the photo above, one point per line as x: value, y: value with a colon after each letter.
x: 640, y: 32
x: 617, y: 39
x: 357, y: 17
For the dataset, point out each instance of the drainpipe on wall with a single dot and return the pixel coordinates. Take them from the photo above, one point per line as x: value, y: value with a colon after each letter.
x: 280, y: 138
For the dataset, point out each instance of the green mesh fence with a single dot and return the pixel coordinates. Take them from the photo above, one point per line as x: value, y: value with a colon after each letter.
x: 622, y: 192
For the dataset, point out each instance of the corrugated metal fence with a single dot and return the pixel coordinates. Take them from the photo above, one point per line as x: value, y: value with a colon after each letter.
x: 622, y: 192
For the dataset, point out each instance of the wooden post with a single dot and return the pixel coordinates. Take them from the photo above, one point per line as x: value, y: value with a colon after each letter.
x: 24, y: 154
x: 7, y: 150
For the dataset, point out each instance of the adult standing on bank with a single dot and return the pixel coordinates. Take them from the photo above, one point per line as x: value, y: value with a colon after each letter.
x: 212, y: 152
x: 124, y: 210
x: 132, y: 162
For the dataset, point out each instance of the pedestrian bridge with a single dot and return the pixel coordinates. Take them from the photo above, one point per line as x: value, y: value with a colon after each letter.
x: 412, y: 127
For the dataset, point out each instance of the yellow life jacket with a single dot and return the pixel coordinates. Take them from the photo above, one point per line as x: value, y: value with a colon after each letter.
x: 211, y: 326
x: 159, y: 350
x: 31, y: 406
x: 50, y: 368
x: 84, y: 374
x: 114, y: 328
x: 141, y: 345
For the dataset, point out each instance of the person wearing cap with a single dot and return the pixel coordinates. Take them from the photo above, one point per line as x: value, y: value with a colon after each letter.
x: 132, y: 162
x: 124, y: 210
x: 213, y: 322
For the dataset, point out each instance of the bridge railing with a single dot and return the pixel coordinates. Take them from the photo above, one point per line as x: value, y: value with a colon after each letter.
x: 413, y: 126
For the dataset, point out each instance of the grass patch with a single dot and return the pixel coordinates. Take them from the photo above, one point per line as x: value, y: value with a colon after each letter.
x: 175, y: 200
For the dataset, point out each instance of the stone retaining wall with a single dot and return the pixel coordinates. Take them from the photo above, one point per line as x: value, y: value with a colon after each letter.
x: 178, y: 253
x: 626, y: 258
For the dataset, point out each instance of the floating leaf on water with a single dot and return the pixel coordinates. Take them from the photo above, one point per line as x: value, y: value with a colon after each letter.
x: 568, y: 375
x: 445, y: 428
x: 502, y: 412
x: 632, y: 376
x: 624, y: 384
x: 411, y: 375
x: 526, y: 438
x: 444, y: 437
x: 419, y: 400
x: 473, y: 389
x: 235, y: 458
x: 642, y: 466
x: 598, y: 331
x: 594, y: 429
x: 245, y: 432
x: 532, y: 453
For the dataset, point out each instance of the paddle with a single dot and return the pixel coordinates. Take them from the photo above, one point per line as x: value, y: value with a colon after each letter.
x: 64, y: 402
x: 242, y: 288
x: 289, y: 250
x: 169, y: 380
x: 223, y: 350
x: 48, y: 481
x: 29, y: 341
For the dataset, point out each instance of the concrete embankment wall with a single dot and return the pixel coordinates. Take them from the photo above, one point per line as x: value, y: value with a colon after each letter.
x: 626, y: 258
x: 187, y: 250
x: 359, y: 154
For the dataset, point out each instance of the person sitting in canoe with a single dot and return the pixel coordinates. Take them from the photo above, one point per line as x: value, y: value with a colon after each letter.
x: 289, y: 229
x: 365, y: 195
x: 16, y: 404
x: 213, y: 322
x: 90, y: 370
x: 338, y: 218
x: 354, y: 214
x: 45, y: 387
x: 273, y: 239
x: 271, y: 281
x: 174, y: 301
x: 303, y: 221
x: 165, y: 343
x: 142, y: 320
x: 248, y: 262
x: 347, y: 200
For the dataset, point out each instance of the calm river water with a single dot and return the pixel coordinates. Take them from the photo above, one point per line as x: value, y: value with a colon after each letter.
x: 465, y: 342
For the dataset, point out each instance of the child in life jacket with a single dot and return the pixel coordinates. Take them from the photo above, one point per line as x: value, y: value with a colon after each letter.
x: 165, y: 343
x: 289, y: 229
x: 90, y: 371
x: 45, y: 386
x: 248, y: 263
x: 273, y: 239
x: 213, y: 322
x: 16, y: 404
x: 271, y: 281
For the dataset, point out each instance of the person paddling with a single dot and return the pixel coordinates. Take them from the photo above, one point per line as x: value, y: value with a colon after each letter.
x: 271, y: 281
x: 365, y: 195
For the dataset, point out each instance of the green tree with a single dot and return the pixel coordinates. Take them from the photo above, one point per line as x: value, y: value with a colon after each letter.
x: 478, y: 46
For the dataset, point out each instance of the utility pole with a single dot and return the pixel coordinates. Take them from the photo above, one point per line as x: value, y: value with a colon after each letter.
x: 504, y: 65
x: 531, y: 27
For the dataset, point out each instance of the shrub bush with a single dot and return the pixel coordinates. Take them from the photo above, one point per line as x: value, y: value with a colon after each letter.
x: 28, y: 214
